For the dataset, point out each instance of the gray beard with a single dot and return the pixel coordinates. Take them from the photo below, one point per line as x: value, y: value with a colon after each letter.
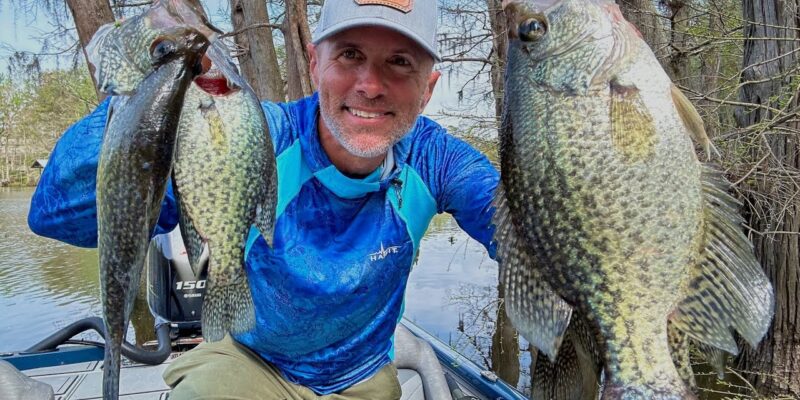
x: 336, y: 131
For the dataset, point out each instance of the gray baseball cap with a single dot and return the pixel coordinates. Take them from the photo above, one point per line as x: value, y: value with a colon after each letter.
x: 416, y: 19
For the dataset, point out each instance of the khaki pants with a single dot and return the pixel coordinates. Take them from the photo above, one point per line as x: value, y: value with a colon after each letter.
x: 228, y: 370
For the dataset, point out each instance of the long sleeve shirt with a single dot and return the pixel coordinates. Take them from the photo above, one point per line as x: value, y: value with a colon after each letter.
x: 329, y: 292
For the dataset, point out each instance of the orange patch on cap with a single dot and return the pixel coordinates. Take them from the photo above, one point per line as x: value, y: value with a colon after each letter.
x: 402, y: 5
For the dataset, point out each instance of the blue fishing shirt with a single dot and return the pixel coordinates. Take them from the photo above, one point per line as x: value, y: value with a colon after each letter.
x: 329, y: 293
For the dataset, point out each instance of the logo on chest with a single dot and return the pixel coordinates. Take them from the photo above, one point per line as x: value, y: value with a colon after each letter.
x: 384, y: 252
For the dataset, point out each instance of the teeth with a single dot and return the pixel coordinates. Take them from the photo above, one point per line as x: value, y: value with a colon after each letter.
x: 364, y: 114
x: 213, y: 73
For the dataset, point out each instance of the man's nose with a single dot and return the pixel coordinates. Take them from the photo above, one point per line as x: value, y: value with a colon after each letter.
x: 370, y: 82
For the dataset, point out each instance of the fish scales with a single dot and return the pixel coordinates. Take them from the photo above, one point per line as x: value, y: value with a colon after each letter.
x: 590, y: 218
x: 133, y: 170
x: 603, y: 194
x: 224, y: 171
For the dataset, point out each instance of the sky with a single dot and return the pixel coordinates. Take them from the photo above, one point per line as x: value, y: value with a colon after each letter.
x: 19, y: 30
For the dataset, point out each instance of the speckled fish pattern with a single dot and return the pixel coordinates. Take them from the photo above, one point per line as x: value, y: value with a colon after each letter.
x: 224, y: 166
x: 605, y: 212
x: 133, y: 170
x: 225, y: 180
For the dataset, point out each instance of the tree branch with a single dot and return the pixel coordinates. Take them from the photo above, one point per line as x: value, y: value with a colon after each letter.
x: 466, y: 59
x: 249, y: 27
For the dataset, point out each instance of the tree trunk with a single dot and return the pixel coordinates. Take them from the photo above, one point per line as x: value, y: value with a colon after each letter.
x: 679, y: 42
x: 505, y: 345
x: 499, y: 25
x: 710, y: 65
x: 297, y: 35
x: 7, y: 174
x: 259, y: 63
x: 89, y: 16
x: 505, y: 339
x: 774, y: 367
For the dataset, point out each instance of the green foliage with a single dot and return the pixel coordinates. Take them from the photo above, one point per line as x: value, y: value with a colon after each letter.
x: 33, y: 115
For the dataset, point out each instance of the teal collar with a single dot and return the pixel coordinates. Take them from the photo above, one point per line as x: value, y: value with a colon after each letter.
x: 351, y: 188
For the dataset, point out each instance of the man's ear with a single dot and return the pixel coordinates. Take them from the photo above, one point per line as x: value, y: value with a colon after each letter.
x: 312, y: 62
x: 429, y: 89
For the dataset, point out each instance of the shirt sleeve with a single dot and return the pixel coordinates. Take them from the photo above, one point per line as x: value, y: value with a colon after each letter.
x: 465, y: 181
x: 64, y: 206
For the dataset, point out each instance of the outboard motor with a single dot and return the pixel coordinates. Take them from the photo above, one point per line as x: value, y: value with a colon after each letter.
x: 175, y: 298
x: 174, y: 292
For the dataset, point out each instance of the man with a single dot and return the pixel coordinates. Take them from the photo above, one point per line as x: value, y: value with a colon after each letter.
x: 360, y: 175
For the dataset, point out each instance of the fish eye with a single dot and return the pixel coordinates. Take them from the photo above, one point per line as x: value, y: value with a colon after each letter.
x: 162, y: 48
x: 531, y: 29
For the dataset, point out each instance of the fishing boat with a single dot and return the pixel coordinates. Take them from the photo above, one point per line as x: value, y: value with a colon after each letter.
x: 427, y: 367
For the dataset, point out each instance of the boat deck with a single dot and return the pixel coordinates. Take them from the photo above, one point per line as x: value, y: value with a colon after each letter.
x: 75, y: 373
x: 84, y: 381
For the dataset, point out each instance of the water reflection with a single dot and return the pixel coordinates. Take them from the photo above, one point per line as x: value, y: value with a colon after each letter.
x: 453, y: 293
x: 505, y: 348
x: 44, y: 284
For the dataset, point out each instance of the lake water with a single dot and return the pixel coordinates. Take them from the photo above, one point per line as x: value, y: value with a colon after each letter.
x: 45, y: 285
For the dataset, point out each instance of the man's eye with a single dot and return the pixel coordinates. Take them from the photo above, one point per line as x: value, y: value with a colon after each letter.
x: 402, y: 61
x: 349, y: 54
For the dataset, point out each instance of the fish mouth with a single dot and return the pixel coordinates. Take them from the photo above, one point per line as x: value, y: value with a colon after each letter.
x: 212, y: 80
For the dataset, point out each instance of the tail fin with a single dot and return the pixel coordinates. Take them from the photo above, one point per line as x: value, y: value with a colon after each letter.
x: 227, y: 307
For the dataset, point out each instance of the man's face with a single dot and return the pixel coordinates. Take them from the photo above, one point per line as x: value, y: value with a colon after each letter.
x: 373, y: 83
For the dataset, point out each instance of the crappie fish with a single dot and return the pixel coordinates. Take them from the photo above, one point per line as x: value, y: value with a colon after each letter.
x: 224, y: 171
x: 132, y: 174
x: 130, y: 40
x: 225, y: 181
x: 605, y: 214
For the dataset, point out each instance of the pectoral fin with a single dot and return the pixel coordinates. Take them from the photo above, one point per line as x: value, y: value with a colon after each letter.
x: 633, y: 131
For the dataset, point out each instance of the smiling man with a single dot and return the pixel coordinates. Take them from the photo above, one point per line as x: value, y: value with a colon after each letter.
x: 360, y: 176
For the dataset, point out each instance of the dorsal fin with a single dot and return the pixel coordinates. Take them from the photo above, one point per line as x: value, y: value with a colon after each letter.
x: 692, y: 121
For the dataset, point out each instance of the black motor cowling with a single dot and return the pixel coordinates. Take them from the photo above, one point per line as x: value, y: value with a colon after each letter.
x: 174, y: 292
